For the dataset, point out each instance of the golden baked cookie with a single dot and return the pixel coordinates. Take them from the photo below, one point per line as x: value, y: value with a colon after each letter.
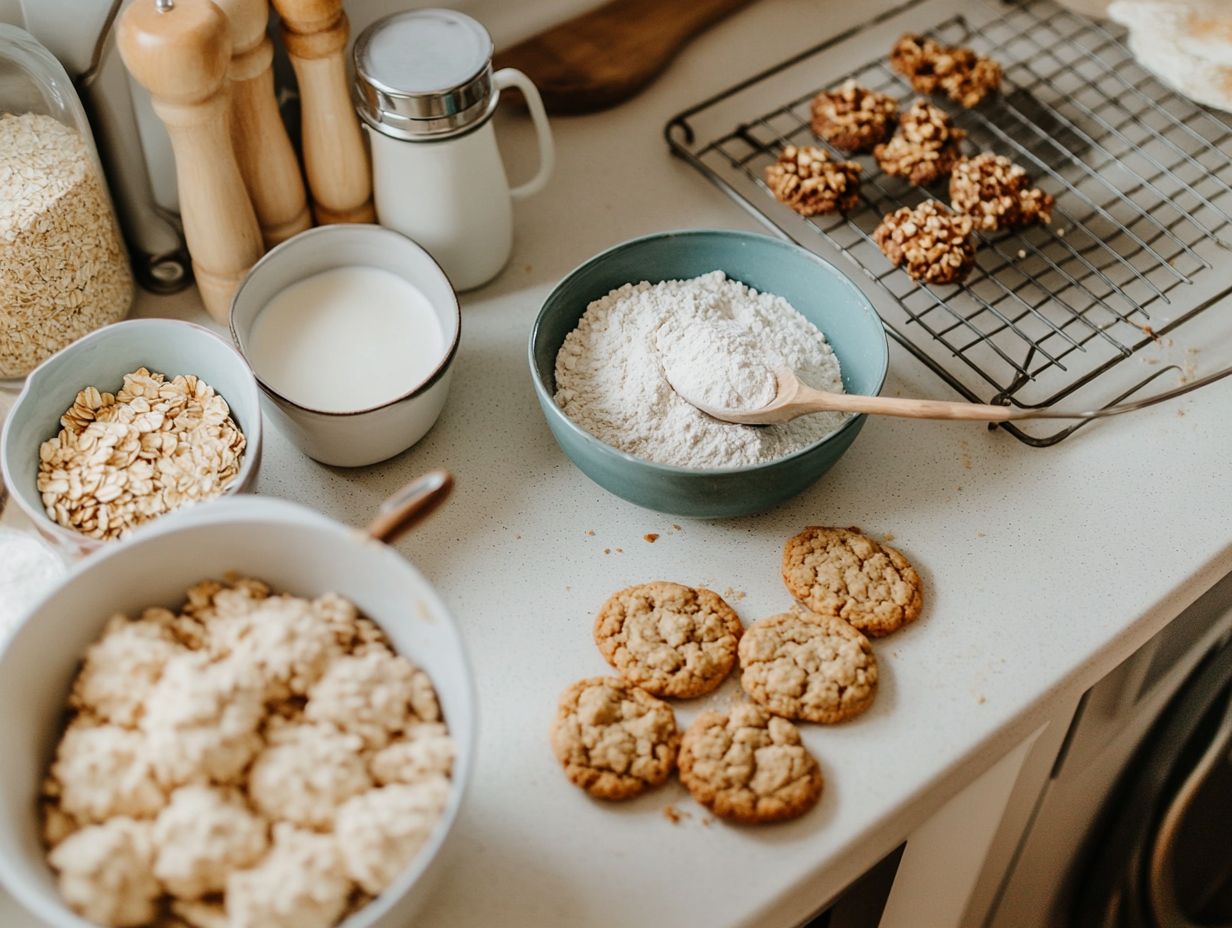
x: 852, y: 117
x: 960, y: 73
x: 614, y: 739
x: 805, y: 179
x: 925, y: 146
x: 997, y: 194
x: 806, y: 666
x: 839, y: 572
x: 669, y: 639
x: 931, y: 243
x: 749, y: 766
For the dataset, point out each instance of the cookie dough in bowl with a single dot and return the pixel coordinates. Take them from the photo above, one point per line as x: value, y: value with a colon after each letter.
x: 217, y: 734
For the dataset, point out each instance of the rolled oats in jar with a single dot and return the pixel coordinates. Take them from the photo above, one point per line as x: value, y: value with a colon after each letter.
x: 63, y: 268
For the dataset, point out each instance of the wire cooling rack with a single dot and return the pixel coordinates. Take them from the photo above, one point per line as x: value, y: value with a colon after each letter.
x: 1141, y: 177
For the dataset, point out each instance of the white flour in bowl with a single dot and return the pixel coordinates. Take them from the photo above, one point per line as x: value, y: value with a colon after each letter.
x: 721, y: 340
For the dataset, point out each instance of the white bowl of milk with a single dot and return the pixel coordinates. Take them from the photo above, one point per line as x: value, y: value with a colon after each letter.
x: 351, y: 331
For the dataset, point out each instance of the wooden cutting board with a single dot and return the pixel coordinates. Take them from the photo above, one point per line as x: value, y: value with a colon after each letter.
x: 604, y: 57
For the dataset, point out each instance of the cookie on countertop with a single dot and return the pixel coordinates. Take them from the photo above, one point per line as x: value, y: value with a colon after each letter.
x: 852, y: 117
x: 613, y: 739
x: 805, y: 179
x: 749, y: 766
x: 805, y: 666
x: 997, y: 193
x: 960, y: 73
x: 931, y: 243
x: 669, y: 639
x: 924, y: 147
x: 839, y: 572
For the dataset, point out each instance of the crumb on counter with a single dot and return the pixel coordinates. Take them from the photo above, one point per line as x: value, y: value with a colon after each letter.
x: 674, y: 815
x: 651, y: 537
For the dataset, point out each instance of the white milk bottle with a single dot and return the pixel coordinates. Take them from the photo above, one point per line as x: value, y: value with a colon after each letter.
x: 426, y: 92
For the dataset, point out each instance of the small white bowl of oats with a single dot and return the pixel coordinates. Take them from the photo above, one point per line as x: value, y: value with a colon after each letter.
x: 133, y: 421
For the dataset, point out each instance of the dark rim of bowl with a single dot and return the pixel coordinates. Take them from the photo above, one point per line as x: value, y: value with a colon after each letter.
x: 547, y: 400
x: 343, y: 229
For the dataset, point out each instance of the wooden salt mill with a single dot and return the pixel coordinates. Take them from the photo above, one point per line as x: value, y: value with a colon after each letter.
x: 262, y: 147
x: 179, y: 51
x: 339, y: 174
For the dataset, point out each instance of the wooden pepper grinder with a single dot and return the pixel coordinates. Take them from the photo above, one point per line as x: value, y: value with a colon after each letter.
x: 339, y: 175
x: 179, y: 51
x: 262, y: 147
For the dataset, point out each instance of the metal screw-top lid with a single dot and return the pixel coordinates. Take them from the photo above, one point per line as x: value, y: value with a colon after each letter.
x: 424, y: 74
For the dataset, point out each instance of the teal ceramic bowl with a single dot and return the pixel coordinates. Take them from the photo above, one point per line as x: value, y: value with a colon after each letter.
x: 816, y: 288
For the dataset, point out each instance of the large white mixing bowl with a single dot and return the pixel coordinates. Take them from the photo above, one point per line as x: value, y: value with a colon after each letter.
x: 290, y: 547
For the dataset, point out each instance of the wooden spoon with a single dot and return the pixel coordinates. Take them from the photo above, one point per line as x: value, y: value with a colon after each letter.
x: 793, y: 398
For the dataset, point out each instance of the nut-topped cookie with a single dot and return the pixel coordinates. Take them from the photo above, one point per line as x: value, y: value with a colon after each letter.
x: 924, y: 148
x: 839, y: 572
x: 669, y: 639
x: 807, y: 180
x: 960, y: 73
x: 613, y: 739
x: 997, y: 193
x: 931, y: 243
x: 817, y: 668
x: 749, y: 766
x: 852, y: 117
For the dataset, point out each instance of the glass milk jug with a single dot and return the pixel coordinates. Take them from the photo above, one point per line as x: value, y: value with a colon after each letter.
x: 425, y: 90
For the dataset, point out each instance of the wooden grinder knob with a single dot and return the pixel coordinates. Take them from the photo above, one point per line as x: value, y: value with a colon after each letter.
x: 179, y: 51
x: 262, y: 147
x: 335, y: 159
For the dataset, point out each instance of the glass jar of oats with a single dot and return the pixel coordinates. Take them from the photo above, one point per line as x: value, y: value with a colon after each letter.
x: 63, y: 267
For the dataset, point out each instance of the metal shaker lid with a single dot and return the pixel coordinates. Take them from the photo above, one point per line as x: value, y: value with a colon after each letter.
x: 424, y: 74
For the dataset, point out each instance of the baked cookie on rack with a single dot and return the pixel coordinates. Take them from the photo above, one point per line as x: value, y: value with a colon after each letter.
x: 955, y: 70
x: 931, y: 243
x: 852, y: 117
x: 997, y: 194
x: 801, y: 665
x: 669, y: 639
x: 749, y: 766
x: 805, y: 179
x: 924, y: 148
x: 839, y: 572
x: 613, y: 739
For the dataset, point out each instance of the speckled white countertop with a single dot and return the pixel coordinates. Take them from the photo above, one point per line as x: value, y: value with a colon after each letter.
x: 1043, y: 568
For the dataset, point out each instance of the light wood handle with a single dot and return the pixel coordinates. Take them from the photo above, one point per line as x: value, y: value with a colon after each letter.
x: 413, y: 503
x: 180, y: 55
x: 263, y: 149
x: 822, y: 401
x: 335, y: 157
